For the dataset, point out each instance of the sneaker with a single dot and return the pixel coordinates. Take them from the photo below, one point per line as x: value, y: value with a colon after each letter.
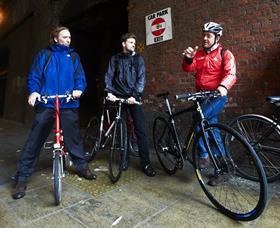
x: 218, y: 180
x: 204, y: 163
x: 87, y: 174
x: 149, y: 171
x: 20, y: 189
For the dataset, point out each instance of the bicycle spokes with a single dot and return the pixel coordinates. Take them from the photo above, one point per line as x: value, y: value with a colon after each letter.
x: 226, y: 179
x: 165, y: 146
x: 263, y: 134
x: 117, y: 150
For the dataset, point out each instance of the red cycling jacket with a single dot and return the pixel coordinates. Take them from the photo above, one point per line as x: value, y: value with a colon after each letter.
x: 211, y: 72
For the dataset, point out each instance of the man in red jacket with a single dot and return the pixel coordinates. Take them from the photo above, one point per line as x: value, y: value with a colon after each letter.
x: 215, y: 70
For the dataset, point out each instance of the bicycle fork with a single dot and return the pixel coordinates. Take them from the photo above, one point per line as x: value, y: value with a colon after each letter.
x: 210, y: 135
x: 175, y: 134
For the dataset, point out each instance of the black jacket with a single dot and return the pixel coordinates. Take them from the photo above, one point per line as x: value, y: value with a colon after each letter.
x: 126, y: 75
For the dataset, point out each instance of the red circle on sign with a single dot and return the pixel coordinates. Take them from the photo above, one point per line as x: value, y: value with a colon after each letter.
x: 158, y: 26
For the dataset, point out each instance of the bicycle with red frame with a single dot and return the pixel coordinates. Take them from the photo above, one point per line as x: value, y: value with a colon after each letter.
x: 90, y: 132
x: 109, y: 131
x: 60, y: 154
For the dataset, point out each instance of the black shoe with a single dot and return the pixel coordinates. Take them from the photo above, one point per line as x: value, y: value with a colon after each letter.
x: 204, y: 163
x: 19, y: 191
x: 87, y: 174
x: 125, y: 165
x: 149, y: 171
x: 218, y: 180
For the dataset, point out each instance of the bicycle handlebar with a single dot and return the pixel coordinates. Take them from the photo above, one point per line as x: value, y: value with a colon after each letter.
x: 195, y: 96
x: 125, y: 101
x: 46, y: 97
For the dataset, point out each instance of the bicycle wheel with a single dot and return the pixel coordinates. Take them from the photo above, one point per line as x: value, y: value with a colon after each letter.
x: 165, y: 146
x: 264, y: 135
x: 235, y: 196
x: 117, y: 150
x: 57, y: 175
x: 91, y: 138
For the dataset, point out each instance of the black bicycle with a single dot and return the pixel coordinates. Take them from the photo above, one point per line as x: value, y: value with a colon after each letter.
x: 237, y: 197
x: 110, y: 130
x: 263, y: 133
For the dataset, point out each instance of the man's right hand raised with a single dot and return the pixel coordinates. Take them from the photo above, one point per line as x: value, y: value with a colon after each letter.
x: 33, y: 97
x: 190, y: 52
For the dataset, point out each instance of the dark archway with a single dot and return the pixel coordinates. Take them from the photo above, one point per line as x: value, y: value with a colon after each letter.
x: 96, y: 36
x: 4, y: 61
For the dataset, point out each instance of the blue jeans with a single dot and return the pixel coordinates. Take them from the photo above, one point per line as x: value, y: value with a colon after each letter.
x: 211, y: 107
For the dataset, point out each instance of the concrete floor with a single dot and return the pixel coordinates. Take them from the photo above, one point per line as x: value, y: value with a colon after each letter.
x: 135, y: 201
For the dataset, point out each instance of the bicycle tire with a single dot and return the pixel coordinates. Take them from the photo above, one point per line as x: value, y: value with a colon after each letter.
x: 91, y: 139
x: 236, y: 197
x: 57, y: 175
x: 264, y: 135
x: 117, y: 150
x: 165, y: 145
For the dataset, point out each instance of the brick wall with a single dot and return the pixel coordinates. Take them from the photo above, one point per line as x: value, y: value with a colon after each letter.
x: 251, y: 32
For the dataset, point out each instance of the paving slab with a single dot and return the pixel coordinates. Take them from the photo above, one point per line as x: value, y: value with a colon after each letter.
x: 134, y: 201
x: 270, y: 217
x: 8, y: 218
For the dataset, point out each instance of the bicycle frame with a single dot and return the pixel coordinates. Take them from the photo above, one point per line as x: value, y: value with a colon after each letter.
x: 191, y: 134
x: 103, y: 126
x: 58, y: 146
x: 58, y: 143
x: 106, y: 114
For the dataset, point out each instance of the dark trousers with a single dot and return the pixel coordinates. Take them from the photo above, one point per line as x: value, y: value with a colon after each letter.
x: 137, y: 115
x: 41, y: 128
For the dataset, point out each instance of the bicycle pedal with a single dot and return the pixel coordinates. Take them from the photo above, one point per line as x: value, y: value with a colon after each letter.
x: 101, y: 169
x: 48, y: 145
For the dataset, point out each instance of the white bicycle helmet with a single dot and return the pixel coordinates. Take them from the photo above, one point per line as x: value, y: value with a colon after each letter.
x: 213, y: 27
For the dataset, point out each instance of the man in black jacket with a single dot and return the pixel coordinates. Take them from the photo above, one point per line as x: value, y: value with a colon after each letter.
x: 125, y: 78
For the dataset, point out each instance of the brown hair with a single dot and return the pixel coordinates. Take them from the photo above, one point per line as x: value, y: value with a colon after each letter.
x: 54, y: 33
x: 127, y: 36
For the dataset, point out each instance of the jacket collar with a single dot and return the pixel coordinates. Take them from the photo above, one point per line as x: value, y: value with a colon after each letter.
x: 214, y: 47
x: 129, y: 54
x: 60, y: 48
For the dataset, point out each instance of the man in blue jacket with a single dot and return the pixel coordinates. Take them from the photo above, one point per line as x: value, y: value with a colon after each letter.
x: 55, y: 70
x: 125, y: 78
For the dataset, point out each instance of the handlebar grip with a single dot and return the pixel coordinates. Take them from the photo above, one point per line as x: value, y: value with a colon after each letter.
x: 184, y: 96
x: 138, y: 103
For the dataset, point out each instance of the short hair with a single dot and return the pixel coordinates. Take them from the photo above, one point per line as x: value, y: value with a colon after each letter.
x: 127, y: 36
x: 54, y: 33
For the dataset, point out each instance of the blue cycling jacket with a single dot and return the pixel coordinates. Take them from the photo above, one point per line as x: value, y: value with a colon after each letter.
x: 58, y: 75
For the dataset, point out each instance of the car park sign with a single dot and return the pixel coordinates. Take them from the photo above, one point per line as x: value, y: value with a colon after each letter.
x: 158, y: 26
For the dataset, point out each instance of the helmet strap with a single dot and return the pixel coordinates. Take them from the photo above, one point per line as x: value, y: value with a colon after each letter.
x: 213, y: 47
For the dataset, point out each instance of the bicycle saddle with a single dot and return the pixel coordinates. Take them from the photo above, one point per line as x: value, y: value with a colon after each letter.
x: 274, y: 100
